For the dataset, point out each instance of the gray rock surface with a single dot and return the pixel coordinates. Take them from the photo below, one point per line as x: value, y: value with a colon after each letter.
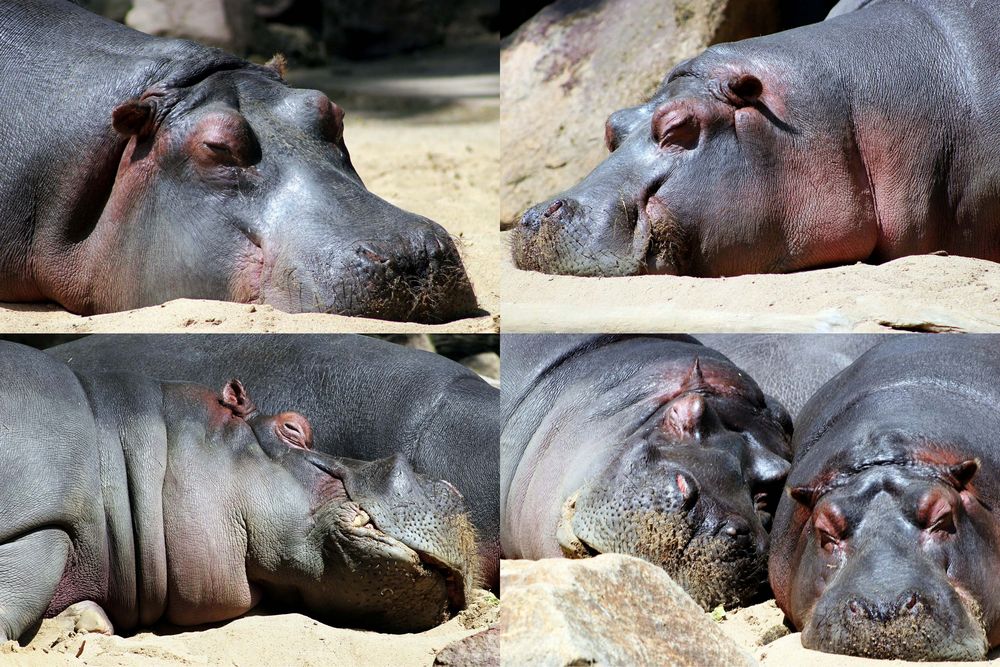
x: 565, y: 70
x: 608, y: 610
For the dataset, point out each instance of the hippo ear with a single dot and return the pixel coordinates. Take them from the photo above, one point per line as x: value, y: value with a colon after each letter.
x: 804, y: 495
x: 235, y: 397
x: 134, y: 118
x: 742, y: 89
x: 962, y: 473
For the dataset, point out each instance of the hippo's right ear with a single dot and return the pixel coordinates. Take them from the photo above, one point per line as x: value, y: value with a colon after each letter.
x: 134, y: 118
x: 235, y: 397
x: 742, y: 89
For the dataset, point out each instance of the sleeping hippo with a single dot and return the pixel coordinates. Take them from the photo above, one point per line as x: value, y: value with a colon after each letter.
x: 159, y: 501
x: 887, y: 544
x: 139, y: 169
x: 652, y: 446
x: 866, y: 137
x: 365, y: 398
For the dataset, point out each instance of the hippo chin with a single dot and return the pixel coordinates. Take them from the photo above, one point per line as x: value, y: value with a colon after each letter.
x: 194, y: 174
x: 169, y: 502
x: 790, y: 152
x: 646, y: 446
x: 886, y: 544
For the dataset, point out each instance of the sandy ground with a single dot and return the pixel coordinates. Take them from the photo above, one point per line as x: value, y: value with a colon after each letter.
x: 423, y: 133
x: 760, y: 630
x: 265, y: 640
x: 920, y: 293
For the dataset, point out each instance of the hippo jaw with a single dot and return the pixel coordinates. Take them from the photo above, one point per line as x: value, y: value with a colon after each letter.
x: 434, y: 550
x: 724, y: 565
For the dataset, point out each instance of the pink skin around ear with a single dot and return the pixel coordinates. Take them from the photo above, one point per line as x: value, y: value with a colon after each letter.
x: 684, y: 415
x: 235, y: 397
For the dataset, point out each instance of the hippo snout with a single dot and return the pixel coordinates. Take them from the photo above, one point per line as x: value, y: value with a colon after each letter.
x: 913, y: 625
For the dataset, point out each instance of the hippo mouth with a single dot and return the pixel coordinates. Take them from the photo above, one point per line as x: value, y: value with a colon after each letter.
x: 713, y: 569
x: 355, y: 521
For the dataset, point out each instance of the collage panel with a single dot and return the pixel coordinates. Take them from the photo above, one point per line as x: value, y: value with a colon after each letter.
x: 751, y: 166
x: 758, y: 499
x: 331, y: 169
x: 336, y: 495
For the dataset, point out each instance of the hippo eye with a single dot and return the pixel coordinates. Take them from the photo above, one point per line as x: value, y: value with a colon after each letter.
x: 221, y: 152
x: 827, y: 542
x: 944, y: 524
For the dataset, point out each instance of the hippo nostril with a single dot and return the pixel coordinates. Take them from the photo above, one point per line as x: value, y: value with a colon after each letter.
x: 913, y: 604
x: 553, y: 208
x: 854, y: 607
x: 735, y: 527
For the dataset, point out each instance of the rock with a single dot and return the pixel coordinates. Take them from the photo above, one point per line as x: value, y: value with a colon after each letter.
x: 227, y: 24
x: 479, y: 650
x: 111, y: 9
x: 576, y: 61
x: 608, y: 610
x: 298, y: 44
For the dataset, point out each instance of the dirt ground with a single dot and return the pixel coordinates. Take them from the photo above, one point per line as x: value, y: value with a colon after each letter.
x: 264, y: 640
x: 760, y: 630
x: 423, y: 133
x: 920, y: 293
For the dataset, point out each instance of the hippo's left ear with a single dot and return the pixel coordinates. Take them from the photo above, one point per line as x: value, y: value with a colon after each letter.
x: 134, y: 118
x: 742, y: 89
x: 804, y: 495
x: 235, y: 397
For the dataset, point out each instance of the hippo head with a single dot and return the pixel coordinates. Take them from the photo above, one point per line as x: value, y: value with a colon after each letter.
x: 693, y: 490
x: 896, y: 558
x: 234, y: 186
x: 714, y: 176
x: 374, y: 544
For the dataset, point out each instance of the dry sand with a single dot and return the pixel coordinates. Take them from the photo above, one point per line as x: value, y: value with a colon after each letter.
x: 429, y: 144
x: 920, y: 293
x: 760, y: 630
x: 265, y: 640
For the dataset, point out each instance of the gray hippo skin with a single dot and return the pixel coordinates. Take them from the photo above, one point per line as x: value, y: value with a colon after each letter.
x: 193, y: 174
x: 887, y: 544
x: 365, y: 398
x: 162, y: 501
x: 653, y: 446
x: 867, y: 137
x: 791, y: 367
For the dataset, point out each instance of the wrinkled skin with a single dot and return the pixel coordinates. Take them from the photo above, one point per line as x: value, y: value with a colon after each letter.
x: 649, y: 446
x: 194, y: 174
x: 791, y: 367
x: 795, y: 151
x: 886, y: 544
x: 170, y: 502
x: 365, y: 399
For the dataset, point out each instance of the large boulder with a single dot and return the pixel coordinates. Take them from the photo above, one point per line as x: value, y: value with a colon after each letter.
x: 608, y: 610
x: 227, y: 24
x: 564, y: 71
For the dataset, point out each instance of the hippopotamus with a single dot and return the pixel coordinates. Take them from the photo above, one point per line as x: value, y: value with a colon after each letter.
x: 651, y: 446
x: 365, y: 398
x: 194, y: 174
x: 791, y: 367
x: 794, y: 151
x: 886, y: 543
x: 169, y: 501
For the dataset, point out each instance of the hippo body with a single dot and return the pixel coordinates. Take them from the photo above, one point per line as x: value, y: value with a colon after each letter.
x: 791, y: 367
x: 163, y: 501
x: 365, y: 399
x: 886, y: 544
x: 866, y: 137
x: 194, y: 174
x: 652, y: 446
